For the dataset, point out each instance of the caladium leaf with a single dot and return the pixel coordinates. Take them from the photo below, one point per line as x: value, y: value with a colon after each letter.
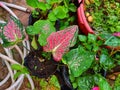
x: 43, y: 28
x: 59, y: 42
x: 78, y: 61
x: 46, y: 28
x: 85, y: 82
x: 12, y: 32
x: 101, y: 82
x: 113, y: 41
x: 106, y: 62
x: 117, y: 34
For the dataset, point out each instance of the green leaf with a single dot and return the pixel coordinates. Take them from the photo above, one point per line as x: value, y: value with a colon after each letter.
x: 113, y: 41
x: 16, y: 66
x: 91, y: 38
x: 72, y: 19
x: 46, y: 28
x: 117, y: 83
x: 34, y: 44
x: 19, y: 68
x: 72, y: 7
x: 52, y: 17
x: 78, y: 62
x: 66, y: 3
x: 43, y: 83
x: 33, y: 3
x: 95, y: 48
x: 101, y: 82
x: 54, y: 81
x: 24, y: 70
x: 82, y: 38
x: 72, y: 78
x: 42, y: 6
x: 17, y: 74
x: 60, y: 12
x: 106, y: 62
x: 53, y: 1
x: 37, y: 4
x: 31, y: 30
x: 85, y: 83
x: 74, y: 84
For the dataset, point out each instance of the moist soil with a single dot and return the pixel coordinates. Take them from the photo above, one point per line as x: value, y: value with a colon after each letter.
x: 39, y: 66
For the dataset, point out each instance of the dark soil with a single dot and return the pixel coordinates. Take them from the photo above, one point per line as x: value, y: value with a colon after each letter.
x: 39, y: 66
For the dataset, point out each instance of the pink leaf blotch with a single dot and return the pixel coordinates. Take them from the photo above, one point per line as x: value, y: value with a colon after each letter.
x: 95, y: 88
x: 117, y: 34
x: 12, y: 31
x: 59, y: 42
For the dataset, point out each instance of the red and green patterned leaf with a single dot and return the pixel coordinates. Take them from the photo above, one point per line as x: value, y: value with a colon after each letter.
x: 12, y: 32
x: 59, y: 42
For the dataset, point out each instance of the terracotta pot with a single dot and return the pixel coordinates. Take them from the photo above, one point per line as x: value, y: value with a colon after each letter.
x: 82, y: 21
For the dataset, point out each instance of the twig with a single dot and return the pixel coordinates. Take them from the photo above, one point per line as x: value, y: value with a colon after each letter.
x: 16, y: 83
x: 26, y: 47
x: 17, y: 88
x: 16, y: 7
x: 2, y: 21
x: 19, y: 51
x: 9, y: 53
x: 31, y: 81
x: 8, y: 58
x: 7, y: 9
x: 10, y: 70
x: 5, y: 79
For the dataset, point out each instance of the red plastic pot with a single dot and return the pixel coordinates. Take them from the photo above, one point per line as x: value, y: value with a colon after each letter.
x: 82, y: 21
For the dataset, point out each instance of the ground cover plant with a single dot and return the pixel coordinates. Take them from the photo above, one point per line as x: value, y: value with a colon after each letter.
x: 87, y: 61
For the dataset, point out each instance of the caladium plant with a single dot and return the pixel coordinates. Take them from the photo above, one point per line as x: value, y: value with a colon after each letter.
x: 12, y: 32
x: 59, y: 42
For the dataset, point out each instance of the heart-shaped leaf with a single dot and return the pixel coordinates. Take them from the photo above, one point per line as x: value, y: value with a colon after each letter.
x: 59, y: 42
x: 43, y: 28
x: 12, y: 32
x: 78, y: 61
x: 46, y: 28
x: 60, y: 12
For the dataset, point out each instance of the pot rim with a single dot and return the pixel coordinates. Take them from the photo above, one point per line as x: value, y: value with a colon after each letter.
x: 82, y: 21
